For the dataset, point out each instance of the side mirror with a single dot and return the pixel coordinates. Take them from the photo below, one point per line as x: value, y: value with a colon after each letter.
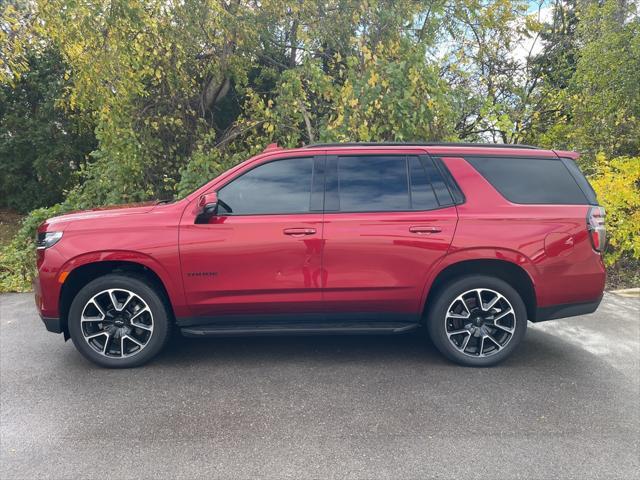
x: 207, y: 207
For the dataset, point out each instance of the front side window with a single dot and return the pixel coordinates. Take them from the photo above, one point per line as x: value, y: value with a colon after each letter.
x: 282, y: 186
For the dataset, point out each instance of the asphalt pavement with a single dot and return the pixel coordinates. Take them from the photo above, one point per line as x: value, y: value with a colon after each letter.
x: 565, y: 405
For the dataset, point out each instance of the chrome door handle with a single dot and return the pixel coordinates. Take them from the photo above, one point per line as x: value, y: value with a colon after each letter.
x: 422, y: 230
x: 299, y: 232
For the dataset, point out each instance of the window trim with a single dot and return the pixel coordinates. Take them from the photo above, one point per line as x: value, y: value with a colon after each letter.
x: 331, y: 174
x: 314, y: 179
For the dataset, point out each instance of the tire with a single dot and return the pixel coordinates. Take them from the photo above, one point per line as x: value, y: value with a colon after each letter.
x: 122, y: 315
x: 490, y: 334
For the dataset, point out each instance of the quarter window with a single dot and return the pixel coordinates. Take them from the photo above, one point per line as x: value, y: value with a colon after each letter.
x: 283, y: 186
x: 530, y: 180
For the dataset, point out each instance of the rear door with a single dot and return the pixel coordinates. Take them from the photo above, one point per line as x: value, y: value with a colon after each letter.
x: 388, y: 220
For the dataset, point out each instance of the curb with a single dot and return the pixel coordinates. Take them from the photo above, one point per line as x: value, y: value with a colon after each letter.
x: 628, y: 292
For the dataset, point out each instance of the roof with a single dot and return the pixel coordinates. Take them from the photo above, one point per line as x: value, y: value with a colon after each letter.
x: 419, y: 144
x: 436, y: 148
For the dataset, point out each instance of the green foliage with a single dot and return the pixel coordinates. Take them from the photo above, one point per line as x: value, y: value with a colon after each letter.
x: 617, y: 183
x: 17, y: 259
x: 41, y: 146
x: 589, y: 98
x: 606, y: 113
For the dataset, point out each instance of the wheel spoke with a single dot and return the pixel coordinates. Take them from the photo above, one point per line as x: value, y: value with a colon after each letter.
x: 458, y: 332
x: 142, y: 326
x: 505, y: 329
x: 96, y: 335
x: 458, y: 315
x: 492, y: 302
x: 83, y: 318
x: 479, y: 295
x: 145, y: 309
x: 481, y: 346
x: 114, y: 300
x: 129, y: 337
x: 503, y: 314
x: 122, y: 346
x: 465, y: 342
x: 493, y: 340
x: 106, y: 344
x: 124, y: 305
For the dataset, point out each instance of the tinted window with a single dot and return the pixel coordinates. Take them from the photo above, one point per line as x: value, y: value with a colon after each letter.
x: 373, y: 184
x: 442, y: 192
x: 584, y: 184
x: 454, y: 189
x: 530, y: 180
x: 283, y: 186
x: 422, y: 195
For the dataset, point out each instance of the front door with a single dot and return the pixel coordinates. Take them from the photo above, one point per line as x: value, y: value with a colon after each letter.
x: 261, y: 255
x: 388, y: 220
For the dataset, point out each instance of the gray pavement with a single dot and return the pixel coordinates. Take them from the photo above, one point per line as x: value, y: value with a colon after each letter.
x: 566, y: 405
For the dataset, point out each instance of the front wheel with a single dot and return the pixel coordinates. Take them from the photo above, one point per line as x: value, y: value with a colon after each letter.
x: 118, y: 321
x: 477, y: 320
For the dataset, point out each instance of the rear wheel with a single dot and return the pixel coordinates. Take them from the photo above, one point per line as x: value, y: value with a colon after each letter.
x: 477, y: 320
x: 118, y: 321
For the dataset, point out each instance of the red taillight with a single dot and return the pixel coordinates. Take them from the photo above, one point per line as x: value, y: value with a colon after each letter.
x: 597, y: 229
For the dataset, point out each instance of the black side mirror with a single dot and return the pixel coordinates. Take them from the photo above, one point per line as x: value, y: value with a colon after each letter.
x: 207, y: 207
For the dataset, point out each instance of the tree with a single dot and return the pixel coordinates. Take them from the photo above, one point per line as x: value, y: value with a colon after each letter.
x: 41, y: 145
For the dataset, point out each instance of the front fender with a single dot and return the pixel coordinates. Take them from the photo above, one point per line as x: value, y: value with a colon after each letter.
x: 174, y: 289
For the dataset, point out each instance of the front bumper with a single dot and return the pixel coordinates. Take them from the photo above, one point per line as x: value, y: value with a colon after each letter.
x: 553, y: 312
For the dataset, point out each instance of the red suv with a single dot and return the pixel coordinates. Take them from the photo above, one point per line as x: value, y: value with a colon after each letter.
x: 468, y: 241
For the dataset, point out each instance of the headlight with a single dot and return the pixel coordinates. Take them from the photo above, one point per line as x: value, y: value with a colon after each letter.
x: 47, y: 239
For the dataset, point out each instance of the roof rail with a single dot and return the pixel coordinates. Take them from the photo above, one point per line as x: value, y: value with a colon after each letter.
x: 420, y: 144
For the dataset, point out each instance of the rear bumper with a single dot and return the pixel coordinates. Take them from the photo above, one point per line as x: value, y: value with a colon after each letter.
x: 553, y: 312
x: 53, y: 324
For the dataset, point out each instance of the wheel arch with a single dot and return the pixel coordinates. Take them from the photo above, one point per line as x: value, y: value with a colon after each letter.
x: 86, y: 272
x: 506, y: 270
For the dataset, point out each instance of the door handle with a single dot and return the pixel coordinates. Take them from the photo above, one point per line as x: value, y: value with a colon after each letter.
x: 299, y: 232
x: 422, y: 230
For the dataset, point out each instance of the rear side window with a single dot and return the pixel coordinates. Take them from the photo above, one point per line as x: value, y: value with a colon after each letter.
x: 373, y: 184
x: 383, y: 184
x: 530, y: 180
x: 283, y: 186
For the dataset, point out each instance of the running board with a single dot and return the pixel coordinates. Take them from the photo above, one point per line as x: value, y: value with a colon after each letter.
x: 329, y: 328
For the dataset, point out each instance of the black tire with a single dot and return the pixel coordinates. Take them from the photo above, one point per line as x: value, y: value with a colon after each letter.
x: 439, y: 324
x: 155, y: 340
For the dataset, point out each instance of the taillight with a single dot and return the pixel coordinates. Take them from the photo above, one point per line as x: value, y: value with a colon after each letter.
x: 597, y: 229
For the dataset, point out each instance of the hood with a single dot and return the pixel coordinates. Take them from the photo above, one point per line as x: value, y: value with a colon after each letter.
x: 62, y: 221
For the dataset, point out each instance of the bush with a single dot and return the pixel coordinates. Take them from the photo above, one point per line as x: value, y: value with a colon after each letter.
x: 17, y: 259
x: 617, y: 183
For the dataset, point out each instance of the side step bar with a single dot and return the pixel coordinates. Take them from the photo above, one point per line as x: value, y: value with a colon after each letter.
x: 330, y: 328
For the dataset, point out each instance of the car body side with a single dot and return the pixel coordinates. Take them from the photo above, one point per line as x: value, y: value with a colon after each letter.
x: 547, y: 243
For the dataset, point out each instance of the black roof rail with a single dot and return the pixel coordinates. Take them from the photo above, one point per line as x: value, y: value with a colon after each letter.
x: 420, y: 144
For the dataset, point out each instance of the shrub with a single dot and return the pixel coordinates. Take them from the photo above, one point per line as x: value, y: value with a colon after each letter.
x: 17, y: 259
x: 617, y: 183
